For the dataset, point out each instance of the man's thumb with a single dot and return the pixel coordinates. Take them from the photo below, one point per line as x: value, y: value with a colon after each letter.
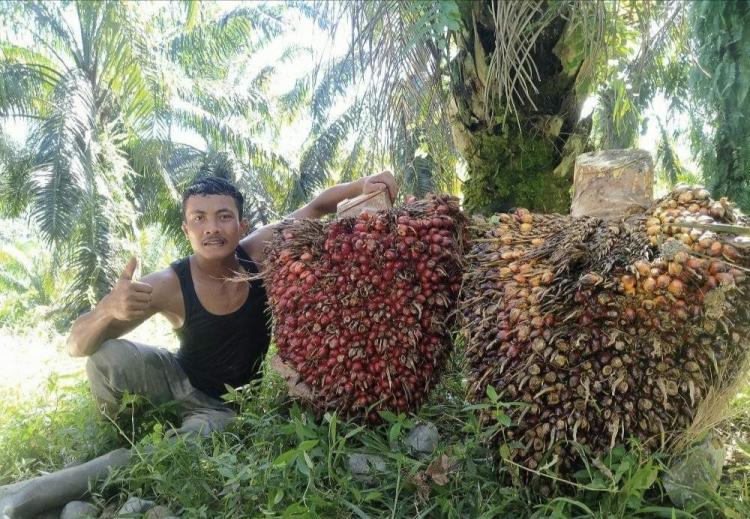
x: 129, y: 270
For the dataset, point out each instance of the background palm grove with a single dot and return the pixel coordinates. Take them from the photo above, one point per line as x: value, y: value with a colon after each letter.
x: 109, y: 109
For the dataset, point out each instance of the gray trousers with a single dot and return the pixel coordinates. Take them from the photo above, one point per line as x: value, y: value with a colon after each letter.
x: 120, y: 365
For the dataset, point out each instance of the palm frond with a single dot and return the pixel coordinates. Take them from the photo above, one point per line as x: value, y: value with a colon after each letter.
x: 316, y: 160
x: 334, y: 83
x: 266, y: 20
x: 16, y: 186
x: 222, y: 101
x: 24, y: 90
x: 666, y: 157
x: 192, y: 13
x: 129, y: 83
x: 354, y: 165
x: 207, y: 49
x: 63, y: 158
x: 394, y: 71
x: 91, y: 256
x: 225, y: 131
x: 316, y: 11
x: 292, y: 102
x: 50, y: 30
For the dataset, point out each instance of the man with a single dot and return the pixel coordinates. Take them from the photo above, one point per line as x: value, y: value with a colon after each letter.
x: 221, y: 325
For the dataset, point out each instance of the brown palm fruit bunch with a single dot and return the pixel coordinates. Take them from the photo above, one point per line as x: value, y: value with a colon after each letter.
x: 362, y: 306
x: 605, y: 329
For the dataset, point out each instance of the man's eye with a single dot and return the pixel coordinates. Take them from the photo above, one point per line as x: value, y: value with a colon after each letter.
x: 197, y: 218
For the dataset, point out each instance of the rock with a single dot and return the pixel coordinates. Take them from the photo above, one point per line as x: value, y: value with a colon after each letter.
x: 79, y: 510
x: 135, y: 505
x: 159, y: 512
x: 695, y: 476
x: 612, y: 183
x: 362, y: 466
x: 423, y: 438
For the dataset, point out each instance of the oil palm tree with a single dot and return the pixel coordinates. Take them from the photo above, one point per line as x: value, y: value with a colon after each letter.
x: 501, y: 82
x: 104, y: 84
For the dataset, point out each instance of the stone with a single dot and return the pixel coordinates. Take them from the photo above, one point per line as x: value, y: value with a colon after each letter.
x: 79, y: 510
x: 423, y: 438
x: 612, y: 183
x: 135, y: 505
x: 694, y: 477
x: 363, y: 466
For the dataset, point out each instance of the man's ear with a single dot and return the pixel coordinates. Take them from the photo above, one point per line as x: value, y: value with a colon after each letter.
x: 184, y: 228
x: 244, y: 226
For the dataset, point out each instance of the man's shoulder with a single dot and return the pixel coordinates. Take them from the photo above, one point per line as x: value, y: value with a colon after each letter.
x: 164, y: 282
x: 166, y: 296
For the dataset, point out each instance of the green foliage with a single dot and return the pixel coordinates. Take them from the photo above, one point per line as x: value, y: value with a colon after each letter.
x: 30, y: 287
x: 669, y: 168
x: 15, y: 181
x: 391, y: 79
x: 59, y: 426
x: 720, y: 81
x: 102, y: 85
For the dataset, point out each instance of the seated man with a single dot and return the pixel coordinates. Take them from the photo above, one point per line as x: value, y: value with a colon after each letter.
x: 221, y: 324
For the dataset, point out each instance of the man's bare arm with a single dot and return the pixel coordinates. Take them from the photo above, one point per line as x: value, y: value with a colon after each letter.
x: 123, y: 309
x: 323, y: 204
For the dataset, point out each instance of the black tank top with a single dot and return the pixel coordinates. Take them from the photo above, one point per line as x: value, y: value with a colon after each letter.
x: 222, y: 349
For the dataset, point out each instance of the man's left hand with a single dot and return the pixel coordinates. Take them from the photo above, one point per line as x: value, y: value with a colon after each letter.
x: 381, y: 181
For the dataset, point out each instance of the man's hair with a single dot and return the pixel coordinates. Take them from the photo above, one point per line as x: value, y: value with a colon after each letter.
x: 213, y: 186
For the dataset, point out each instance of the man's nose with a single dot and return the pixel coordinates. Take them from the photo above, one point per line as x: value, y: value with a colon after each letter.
x: 212, y: 226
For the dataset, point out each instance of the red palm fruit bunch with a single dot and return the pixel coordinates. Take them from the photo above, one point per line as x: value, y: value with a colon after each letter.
x: 607, y: 330
x: 362, y: 306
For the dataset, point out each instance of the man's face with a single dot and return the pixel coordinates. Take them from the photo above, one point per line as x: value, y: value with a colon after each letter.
x: 212, y: 225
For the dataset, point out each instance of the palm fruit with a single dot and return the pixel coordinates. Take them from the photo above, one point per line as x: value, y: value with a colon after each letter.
x: 361, y: 306
x: 605, y: 329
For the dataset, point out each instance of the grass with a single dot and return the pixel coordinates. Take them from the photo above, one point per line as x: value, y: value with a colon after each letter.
x: 279, y: 460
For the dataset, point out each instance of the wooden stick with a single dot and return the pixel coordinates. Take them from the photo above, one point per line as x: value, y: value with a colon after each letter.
x: 739, y: 230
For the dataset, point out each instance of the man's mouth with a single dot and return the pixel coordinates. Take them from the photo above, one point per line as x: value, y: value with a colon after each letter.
x: 214, y: 242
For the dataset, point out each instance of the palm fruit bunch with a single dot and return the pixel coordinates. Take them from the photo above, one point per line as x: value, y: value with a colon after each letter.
x: 605, y: 329
x: 362, y: 305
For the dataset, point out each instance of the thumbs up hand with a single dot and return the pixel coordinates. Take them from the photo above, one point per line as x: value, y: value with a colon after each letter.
x: 129, y: 300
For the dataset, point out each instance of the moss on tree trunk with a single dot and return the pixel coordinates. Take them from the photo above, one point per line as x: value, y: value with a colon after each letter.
x: 513, y: 170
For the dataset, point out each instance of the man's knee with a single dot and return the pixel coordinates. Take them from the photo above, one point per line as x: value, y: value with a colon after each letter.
x: 113, y: 356
x: 107, y: 370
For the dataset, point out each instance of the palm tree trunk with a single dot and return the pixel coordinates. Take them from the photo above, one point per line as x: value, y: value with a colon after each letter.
x: 512, y: 169
x: 522, y: 157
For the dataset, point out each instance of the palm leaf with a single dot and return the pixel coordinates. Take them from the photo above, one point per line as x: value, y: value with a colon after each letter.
x: 207, y: 49
x: 316, y: 160
x: 63, y: 159
x: 16, y: 186
x: 91, y: 256
x: 228, y: 132
x: 395, y: 68
x: 24, y: 90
